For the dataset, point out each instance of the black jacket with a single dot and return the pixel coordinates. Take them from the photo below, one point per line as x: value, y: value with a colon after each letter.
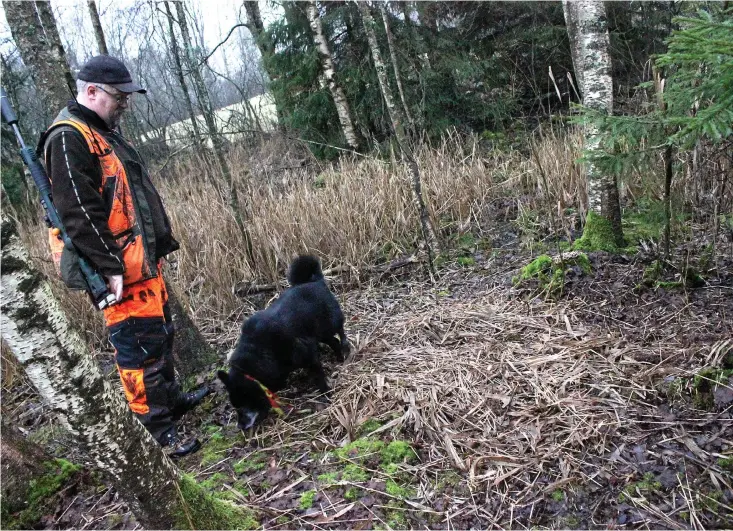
x: 83, y: 209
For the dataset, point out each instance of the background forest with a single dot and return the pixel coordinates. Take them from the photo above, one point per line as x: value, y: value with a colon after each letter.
x: 534, y: 249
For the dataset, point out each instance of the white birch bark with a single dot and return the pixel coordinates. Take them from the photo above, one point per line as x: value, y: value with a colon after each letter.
x: 393, y: 56
x: 329, y: 78
x: 588, y: 27
x: 429, y: 236
x: 70, y: 382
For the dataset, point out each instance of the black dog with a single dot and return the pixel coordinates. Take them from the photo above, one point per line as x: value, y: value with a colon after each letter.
x: 281, y: 338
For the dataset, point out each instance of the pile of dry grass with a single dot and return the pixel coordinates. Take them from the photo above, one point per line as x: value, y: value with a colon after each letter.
x: 520, y: 400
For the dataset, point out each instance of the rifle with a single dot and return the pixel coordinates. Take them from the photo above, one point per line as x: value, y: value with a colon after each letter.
x: 96, y: 286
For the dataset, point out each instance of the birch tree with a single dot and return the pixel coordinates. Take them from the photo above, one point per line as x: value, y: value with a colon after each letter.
x: 178, y: 67
x: 70, y: 382
x: 588, y: 33
x: 97, y: 25
x: 328, y: 76
x: 395, y: 67
x: 397, y: 119
x: 202, y: 94
x: 34, y: 32
x: 257, y: 28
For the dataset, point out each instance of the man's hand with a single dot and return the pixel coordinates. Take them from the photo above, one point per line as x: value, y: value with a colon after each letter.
x: 115, y: 286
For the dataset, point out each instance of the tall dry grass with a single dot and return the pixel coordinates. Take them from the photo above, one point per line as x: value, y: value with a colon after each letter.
x: 356, y: 213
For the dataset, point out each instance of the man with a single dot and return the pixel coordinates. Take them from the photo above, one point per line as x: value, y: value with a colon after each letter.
x: 116, y: 219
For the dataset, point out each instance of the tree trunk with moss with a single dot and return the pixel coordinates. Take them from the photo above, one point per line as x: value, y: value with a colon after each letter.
x: 587, y: 26
x: 70, y: 382
x: 395, y: 114
x: 34, y: 32
x: 328, y: 73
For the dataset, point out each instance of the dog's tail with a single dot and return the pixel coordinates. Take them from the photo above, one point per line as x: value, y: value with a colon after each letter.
x: 304, y: 269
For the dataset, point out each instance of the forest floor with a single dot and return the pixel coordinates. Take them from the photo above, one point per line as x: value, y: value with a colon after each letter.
x: 472, y: 403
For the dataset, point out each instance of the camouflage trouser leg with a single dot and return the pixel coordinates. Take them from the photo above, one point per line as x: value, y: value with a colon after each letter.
x: 144, y: 360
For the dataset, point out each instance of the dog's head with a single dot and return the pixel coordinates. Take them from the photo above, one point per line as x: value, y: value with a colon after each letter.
x: 247, y: 398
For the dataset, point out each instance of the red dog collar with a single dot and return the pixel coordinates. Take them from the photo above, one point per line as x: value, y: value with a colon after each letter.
x: 272, y: 397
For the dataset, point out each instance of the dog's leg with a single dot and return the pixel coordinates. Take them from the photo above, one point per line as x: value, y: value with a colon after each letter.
x: 345, y: 347
x: 311, y: 361
x: 316, y: 370
x: 335, y: 345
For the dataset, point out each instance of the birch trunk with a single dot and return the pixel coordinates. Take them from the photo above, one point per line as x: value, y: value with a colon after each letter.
x: 176, y: 52
x: 431, y: 241
x: 570, y: 10
x: 202, y: 93
x: 34, y: 32
x: 398, y: 77
x: 257, y: 28
x: 97, y: 25
x: 588, y: 32
x: 329, y: 77
x: 70, y: 382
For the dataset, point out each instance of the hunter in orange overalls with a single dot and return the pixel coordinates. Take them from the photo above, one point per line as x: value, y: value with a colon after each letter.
x: 115, y: 218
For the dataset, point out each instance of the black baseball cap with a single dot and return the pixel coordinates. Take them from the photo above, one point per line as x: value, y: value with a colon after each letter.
x: 110, y: 71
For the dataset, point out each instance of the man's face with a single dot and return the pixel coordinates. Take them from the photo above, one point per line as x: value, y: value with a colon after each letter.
x: 109, y: 103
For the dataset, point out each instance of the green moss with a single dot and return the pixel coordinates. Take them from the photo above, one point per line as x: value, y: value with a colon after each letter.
x: 685, y: 515
x: 539, y: 265
x: 466, y: 241
x: 216, y: 480
x: 206, y: 511
x: 40, y: 493
x: 360, y: 449
x: 214, y: 449
x: 367, y: 427
x: 712, y: 500
x: 307, y: 499
x: 353, y: 494
x: 353, y: 473
x: 598, y: 235
x: 396, y: 518
x: 252, y: 463
x: 328, y: 478
x: 705, y: 382
x: 398, y: 452
x: 282, y: 520
x: 400, y: 491
x: 558, y: 495
x: 239, y: 486
x: 726, y: 463
x: 572, y: 522
x: 550, y: 273
x: 466, y: 261
x: 647, y: 485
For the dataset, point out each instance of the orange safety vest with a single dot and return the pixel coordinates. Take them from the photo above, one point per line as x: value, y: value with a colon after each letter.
x: 144, y: 292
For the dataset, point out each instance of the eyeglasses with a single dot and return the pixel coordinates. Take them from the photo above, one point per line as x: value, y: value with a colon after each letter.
x: 118, y: 96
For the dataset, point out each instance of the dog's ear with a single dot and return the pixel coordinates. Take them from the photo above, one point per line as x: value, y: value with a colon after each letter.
x: 224, y: 377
